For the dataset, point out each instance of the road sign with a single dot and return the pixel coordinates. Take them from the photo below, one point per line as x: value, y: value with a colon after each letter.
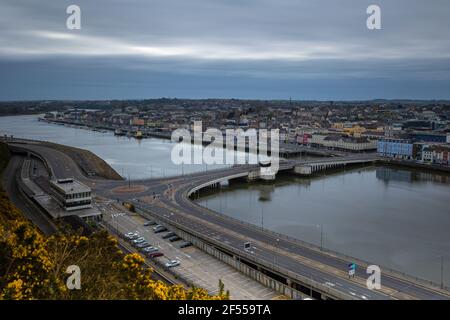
x: 351, y: 269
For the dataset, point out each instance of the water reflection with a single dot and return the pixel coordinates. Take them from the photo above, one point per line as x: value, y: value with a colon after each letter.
x: 411, y: 176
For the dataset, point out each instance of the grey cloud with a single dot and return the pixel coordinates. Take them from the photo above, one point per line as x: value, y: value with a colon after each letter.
x: 275, y: 43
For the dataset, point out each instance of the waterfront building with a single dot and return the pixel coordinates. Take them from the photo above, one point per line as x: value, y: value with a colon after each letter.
x: 395, y: 148
x: 430, y: 137
x: 342, y: 142
x: 436, y: 154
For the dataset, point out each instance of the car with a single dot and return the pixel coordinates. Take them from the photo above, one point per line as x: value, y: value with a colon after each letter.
x: 159, y: 229
x: 155, y: 254
x: 168, y: 235
x: 149, y: 223
x: 131, y: 235
x: 150, y: 249
x: 138, y: 240
x: 185, y: 244
x: 172, y: 263
x: 174, y: 238
x: 144, y: 244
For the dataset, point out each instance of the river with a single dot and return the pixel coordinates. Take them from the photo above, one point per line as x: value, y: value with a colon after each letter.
x: 131, y: 158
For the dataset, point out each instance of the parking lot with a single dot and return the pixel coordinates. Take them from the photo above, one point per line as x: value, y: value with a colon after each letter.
x: 196, y: 266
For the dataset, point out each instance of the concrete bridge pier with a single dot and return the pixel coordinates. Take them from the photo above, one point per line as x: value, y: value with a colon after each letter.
x: 265, y: 174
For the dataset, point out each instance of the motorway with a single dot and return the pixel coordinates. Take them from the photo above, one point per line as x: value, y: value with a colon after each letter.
x: 168, y: 199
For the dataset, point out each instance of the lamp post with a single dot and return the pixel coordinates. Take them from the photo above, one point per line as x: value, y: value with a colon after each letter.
x: 321, y: 236
x: 262, y: 218
x: 276, y: 249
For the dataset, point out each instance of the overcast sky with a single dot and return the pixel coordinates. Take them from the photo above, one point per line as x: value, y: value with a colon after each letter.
x: 263, y: 49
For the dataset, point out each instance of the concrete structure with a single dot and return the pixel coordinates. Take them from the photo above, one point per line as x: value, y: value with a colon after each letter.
x: 307, y: 169
x: 71, y: 194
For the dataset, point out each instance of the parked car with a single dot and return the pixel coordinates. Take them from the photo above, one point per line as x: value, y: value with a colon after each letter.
x: 144, y: 244
x: 131, y: 235
x: 151, y: 249
x: 174, y: 238
x: 138, y: 240
x: 155, y: 254
x: 185, y: 244
x: 172, y: 263
x: 168, y: 235
x: 159, y: 229
x: 149, y: 223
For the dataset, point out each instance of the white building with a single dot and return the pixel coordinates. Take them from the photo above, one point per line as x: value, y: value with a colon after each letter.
x: 343, y: 142
x: 71, y: 194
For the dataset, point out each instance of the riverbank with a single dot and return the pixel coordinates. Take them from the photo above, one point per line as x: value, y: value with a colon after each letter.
x: 285, y: 150
x: 424, y: 167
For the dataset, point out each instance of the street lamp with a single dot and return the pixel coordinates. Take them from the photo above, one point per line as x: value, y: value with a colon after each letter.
x: 442, y: 272
x: 321, y: 236
x: 276, y: 250
x: 262, y: 218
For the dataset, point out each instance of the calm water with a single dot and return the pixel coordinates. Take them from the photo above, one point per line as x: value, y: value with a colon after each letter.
x: 395, y: 218
x: 129, y: 157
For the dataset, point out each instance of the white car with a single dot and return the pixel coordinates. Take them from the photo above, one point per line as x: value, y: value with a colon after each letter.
x: 151, y: 249
x: 172, y: 263
x: 131, y: 235
x: 139, y: 240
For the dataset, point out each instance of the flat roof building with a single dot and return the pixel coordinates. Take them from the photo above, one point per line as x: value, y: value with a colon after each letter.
x: 71, y: 194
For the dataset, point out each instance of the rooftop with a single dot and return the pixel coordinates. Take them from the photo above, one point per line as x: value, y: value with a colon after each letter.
x: 70, y: 186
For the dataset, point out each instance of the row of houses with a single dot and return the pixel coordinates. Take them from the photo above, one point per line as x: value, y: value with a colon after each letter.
x: 407, y: 149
